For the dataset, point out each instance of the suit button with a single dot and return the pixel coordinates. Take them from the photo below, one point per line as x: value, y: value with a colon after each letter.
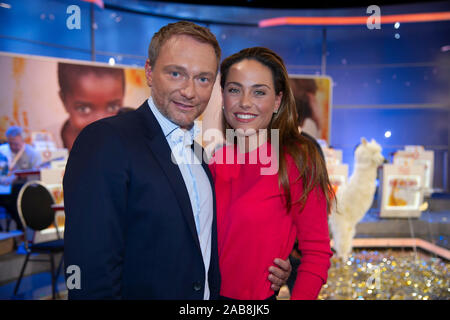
x: 197, y: 286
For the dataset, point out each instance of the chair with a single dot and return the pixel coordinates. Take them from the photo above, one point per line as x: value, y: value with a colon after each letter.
x: 34, y: 206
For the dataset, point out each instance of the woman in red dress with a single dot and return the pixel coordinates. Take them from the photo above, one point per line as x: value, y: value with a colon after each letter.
x: 271, y: 183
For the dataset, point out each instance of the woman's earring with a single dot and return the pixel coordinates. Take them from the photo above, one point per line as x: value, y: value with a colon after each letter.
x: 223, y: 108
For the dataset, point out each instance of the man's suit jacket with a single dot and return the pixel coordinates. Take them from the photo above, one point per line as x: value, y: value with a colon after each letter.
x: 129, y: 222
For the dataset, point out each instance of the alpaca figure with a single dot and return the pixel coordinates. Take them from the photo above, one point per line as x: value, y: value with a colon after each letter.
x: 355, y: 198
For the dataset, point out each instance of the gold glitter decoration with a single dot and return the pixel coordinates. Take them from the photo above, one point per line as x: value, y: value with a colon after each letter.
x: 387, y: 275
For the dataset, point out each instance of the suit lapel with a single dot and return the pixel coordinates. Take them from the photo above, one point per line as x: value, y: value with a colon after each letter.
x: 161, y: 151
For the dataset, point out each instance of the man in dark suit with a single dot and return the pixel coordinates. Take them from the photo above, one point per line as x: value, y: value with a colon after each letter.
x: 141, y: 222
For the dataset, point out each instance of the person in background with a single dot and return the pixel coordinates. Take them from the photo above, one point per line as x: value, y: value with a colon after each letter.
x: 140, y: 225
x: 16, y: 155
x: 89, y: 93
x: 260, y: 214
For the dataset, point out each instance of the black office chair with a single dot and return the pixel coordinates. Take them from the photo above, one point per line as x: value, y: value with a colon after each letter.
x: 34, y: 206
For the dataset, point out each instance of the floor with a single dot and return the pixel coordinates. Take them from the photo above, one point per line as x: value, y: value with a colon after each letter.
x: 367, y: 275
x: 33, y: 287
x: 36, y: 282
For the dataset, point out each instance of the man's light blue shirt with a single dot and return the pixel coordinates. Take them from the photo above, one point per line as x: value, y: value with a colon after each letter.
x: 195, y: 179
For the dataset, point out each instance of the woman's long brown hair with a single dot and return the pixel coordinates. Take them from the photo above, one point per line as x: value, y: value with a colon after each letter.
x: 307, y: 157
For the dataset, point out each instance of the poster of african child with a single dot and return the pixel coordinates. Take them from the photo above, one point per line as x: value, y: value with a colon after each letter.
x: 63, y: 96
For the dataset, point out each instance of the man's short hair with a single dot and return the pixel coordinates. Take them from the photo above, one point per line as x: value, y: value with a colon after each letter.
x: 187, y: 28
x: 14, y: 131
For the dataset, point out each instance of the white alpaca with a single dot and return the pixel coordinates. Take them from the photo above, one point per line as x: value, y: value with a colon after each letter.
x: 355, y: 198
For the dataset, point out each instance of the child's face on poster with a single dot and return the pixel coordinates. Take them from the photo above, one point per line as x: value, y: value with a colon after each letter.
x: 92, y: 98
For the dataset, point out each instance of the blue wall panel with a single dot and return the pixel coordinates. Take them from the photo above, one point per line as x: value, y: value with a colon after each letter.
x: 418, y: 42
x: 122, y: 32
x: 45, y: 21
x: 389, y: 85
